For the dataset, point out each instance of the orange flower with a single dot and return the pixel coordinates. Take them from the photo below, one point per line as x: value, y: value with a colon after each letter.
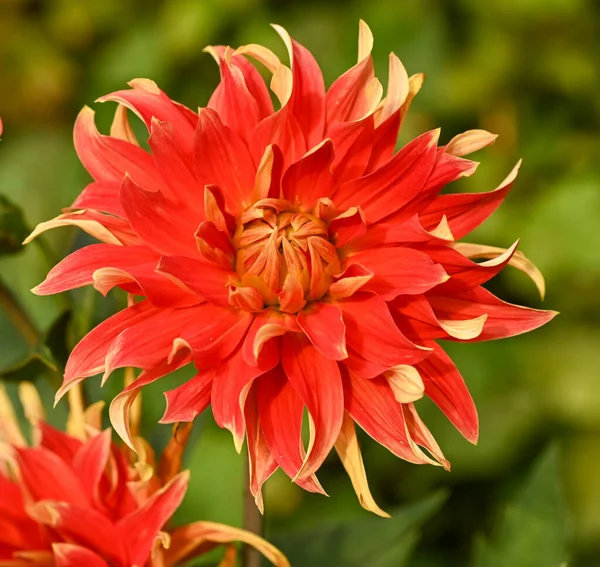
x: 74, y: 500
x: 293, y: 257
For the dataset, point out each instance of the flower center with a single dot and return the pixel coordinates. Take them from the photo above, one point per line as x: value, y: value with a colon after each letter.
x: 284, y: 255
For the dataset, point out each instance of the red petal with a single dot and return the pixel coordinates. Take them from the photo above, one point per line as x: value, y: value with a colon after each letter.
x: 446, y: 388
x: 175, y: 167
x: 83, y: 525
x: 362, y: 367
x: 231, y: 382
x: 346, y: 227
x: 371, y: 331
x: 322, y: 323
x: 215, y: 245
x: 222, y: 158
x: 101, y: 196
x: 233, y: 101
x: 109, y: 159
x: 58, y: 442
x: 398, y: 271
x: 372, y: 405
x: 148, y: 101
x: 199, y: 276
x: 87, y: 358
x: 503, y: 319
x: 261, y: 461
x: 394, y: 184
x: 90, y: 463
x: 140, y: 528
x: 307, y: 100
x: 318, y: 382
x: 163, y: 225
x: 310, y: 178
x: 280, y: 410
x: 352, y: 142
x: 466, y: 211
x: 69, y: 555
x: 190, y: 399
x: 47, y: 476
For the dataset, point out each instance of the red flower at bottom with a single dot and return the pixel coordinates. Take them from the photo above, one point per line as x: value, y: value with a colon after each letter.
x: 293, y: 257
x: 77, y: 501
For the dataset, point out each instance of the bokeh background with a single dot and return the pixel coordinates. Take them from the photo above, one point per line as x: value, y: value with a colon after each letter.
x: 529, y: 494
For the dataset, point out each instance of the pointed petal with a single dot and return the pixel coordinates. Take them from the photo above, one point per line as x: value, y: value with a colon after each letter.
x: 348, y: 449
x: 187, y: 539
x: 406, y: 383
x: 372, y: 405
x: 446, y: 388
x: 90, y: 463
x: 346, y: 227
x: 371, y: 331
x: 322, y: 323
x: 469, y: 142
x: 140, y: 528
x: 101, y: 196
x: 394, y: 184
x: 503, y: 319
x: 221, y: 158
x: 318, y: 382
x: 399, y: 271
x: 70, y: 555
x: 190, y: 399
x: 280, y: 411
x: 310, y: 178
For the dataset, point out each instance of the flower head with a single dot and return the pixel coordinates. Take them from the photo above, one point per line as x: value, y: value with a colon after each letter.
x: 77, y: 499
x: 293, y: 256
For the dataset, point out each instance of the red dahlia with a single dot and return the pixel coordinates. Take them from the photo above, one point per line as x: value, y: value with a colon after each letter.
x: 75, y: 500
x: 292, y: 257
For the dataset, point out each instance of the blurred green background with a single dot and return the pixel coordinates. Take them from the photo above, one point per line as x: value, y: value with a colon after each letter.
x: 529, y: 494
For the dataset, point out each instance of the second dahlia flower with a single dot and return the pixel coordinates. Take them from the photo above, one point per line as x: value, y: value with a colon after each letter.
x: 293, y: 257
x: 76, y: 500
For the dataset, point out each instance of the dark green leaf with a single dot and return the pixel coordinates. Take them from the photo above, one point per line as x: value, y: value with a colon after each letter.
x: 532, y: 531
x: 375, y: 542
x: 13, y: 228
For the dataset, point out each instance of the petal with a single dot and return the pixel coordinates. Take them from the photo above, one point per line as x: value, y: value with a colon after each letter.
x: 348, y: 449
x: 466, y: 211
x: 232, y: 99
x: 231, y: 383
x: 446, y: 388
x: 307, y: 100
x: 101, y: 196
x: 190, y: 399
x: 148, y: 101
x: 371, y: 331
x: 87, y: 358
x: 362, y: 367
x: 406, y: 383
x: 221, y: 158
x: 83, y: 525
x: 140, y: 528
x: 109, y: 159
x: 310, y: 178
x: 90, y: 461
x: 372, y: 405
x: 63, y: 445
x: 394, y: 184
x: 322, y: 323
x: 280, y: 411
x: 399, y: 271
x: 503, y: 319
x: 175, y: 167
x: 69, y: 555
x: 48, y: 477
x: 261, y: 461
x: 469, y: 142
x: 164, y: 225
x: 353, y: 278
x: 199, y: 276
x: 347, y: 226
x: 188, y: 540
x: 318, y: 382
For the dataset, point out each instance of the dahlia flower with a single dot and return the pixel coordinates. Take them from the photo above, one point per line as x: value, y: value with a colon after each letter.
x: 76, y: 499
x: 293, y: 256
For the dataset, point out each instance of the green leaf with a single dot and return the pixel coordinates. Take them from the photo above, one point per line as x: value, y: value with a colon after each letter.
x: 532, y: 531
x: 13, y: 228
x: 375, y: 542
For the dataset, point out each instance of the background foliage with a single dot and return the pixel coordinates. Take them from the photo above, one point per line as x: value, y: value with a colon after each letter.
x: 525, y: 69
